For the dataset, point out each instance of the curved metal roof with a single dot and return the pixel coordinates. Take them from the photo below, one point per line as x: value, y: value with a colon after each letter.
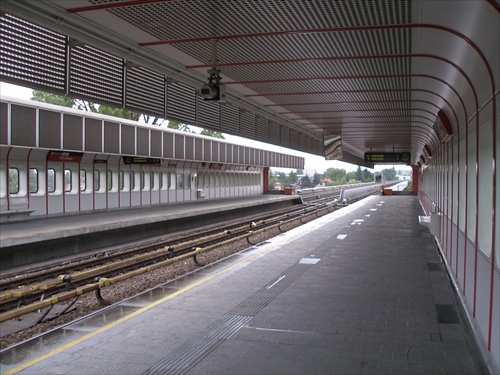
x: 375, y: 73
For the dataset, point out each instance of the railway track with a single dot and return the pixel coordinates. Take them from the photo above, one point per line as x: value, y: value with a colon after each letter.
x: 40, y: 290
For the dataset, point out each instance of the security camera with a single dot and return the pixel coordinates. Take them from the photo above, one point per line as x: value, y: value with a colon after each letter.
x: 213, y: 91
x: 209, y: 92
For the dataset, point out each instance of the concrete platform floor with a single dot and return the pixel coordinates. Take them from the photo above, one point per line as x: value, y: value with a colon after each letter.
x: 359, y: 291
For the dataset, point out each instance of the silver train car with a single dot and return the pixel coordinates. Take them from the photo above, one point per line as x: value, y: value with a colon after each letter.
x: 56, y: 160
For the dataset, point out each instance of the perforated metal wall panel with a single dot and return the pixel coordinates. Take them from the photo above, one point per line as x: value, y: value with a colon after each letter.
x: 32, y: 54
x: 181, y: 102
x: 222, y: 152
x: 95, y: 74
x: 145, y: 91
x: 111, y: 137
x: 230, y: 119
x: 262, y: 129
x: 274, y: 133
x: 293, y: 139
x: 236, y: 154
x: 49, y: 129
x: 247, y: 124
x: 23, y: 132
x: 301, y: 141
x: 247, y: 156
x: 208, y: 114
x: 229, y: 154
x: 4, y: 123
x: 251, y: 156
x: 179, y: 146
x: 93, y: 135
x: 168, y: 145
x: 215, y: 151
x: 285, y: 137
x: 72, y: 132
x: 156, y: 143
x: 198, y: 149
x: 207, y: 149
x: 142, y: 142
x: 127, y: 138
x: 189, y: 148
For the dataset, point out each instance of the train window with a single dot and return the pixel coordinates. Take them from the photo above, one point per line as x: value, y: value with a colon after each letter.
x: 110, y: 180
x: 195, y: 180
x: 143, y: 180
x: 152, y: 180
x: 122, y: 180
x: 33, y: 180
x: 217, y: 179
x: 13, y: 180
x: 161, y: 180
x: 132, y: 180
x: 83, y: 180
x: 187, y: 180
x: 207, y: 179
x: 51, y: 180
x: 180, y: 181
x: 97, y: 180
x: 67, y: 180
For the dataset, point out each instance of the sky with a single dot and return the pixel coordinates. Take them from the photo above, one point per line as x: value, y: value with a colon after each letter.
x: 311, y: 161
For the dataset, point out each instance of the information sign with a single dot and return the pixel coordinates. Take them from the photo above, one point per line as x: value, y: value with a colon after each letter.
x: 140, y: 160
x: 387, y: 157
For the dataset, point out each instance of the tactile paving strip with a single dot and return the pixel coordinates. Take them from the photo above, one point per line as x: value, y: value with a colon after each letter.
x: 187, y: 355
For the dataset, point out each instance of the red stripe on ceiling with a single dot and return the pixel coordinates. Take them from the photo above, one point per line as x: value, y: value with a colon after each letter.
x: 116, y: 5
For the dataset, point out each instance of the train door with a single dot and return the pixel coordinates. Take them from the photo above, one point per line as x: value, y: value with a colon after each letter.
x: 71, y: 192
x: 86, y: 182
x: 99, y: 180
x: 155, y: 184
x: 125, y: 185
x: 37, y: 194
x: 113, y: 181
x: 212, y: 184
x: 54, y: 186
x: 194, y: 184
x: 135, y: 184
x: 15, y: 184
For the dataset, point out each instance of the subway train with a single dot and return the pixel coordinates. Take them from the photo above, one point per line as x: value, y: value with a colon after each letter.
x: 56, y: 160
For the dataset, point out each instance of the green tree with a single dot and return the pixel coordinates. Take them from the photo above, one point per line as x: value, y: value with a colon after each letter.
x: 180, y: 126
x: 83, y: 105
x: 272, y: 180
x: 212, y: 133
x: 45, y: 97
x: 316, y: 180
x: 306, y: 182
x: 359, y: 174
x: 338, y: 176
x: 292, y: 178
x: 367, y: 176
x: 389, y: 174
x: 117, y: 112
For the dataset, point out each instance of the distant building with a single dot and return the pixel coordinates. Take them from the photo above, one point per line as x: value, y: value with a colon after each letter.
x: 325, y: 181
x: 278, y: 186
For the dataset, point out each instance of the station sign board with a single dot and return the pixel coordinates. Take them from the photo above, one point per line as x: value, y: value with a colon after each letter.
x: 65, y: 156
x: 141, y: 160
x: 387, y: 157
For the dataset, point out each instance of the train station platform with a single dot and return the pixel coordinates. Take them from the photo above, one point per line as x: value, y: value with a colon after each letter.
x: 359, y: 291
x: 40, y: 239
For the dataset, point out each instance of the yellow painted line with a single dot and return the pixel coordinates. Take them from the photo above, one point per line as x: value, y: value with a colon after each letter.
x: 73, y: 343
x: 298, y: 232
